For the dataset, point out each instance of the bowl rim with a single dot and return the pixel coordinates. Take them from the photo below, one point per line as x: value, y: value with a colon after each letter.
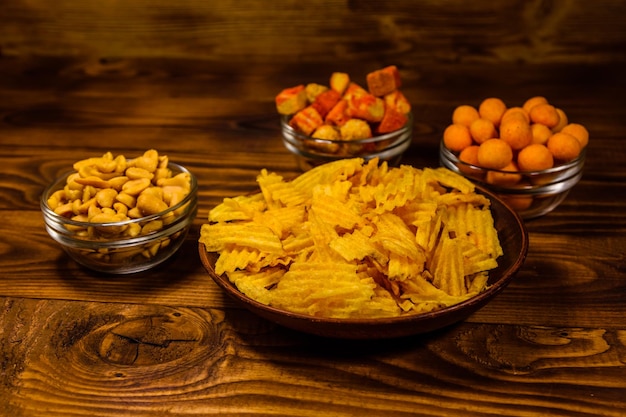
x: 575, y: 163
x: 284, y: 122
x: 50, y: 214
x: 472, y: 303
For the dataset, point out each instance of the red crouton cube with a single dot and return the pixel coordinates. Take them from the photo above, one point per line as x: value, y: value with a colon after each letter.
x: 366, y: 107
x: 337, y: 115
x: 306, y: 120
x: 325, y: 101
x: 354, y: 90
x: 383, y: 81
x: 291, y: 100
x: 398, y: 101
x: 392, y: 121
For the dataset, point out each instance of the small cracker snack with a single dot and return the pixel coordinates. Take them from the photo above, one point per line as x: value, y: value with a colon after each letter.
x: 356, y: 239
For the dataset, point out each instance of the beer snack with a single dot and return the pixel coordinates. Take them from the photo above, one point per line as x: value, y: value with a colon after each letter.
x: 536, y: 124
x: 314, y: 106
x: 111, y: 189
x: 121, y: 215
x: 356, y: 239
x: 529, y: 155
x: 342, y: 119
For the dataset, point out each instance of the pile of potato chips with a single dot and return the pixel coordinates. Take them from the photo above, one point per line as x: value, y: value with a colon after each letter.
x: 356, y: 239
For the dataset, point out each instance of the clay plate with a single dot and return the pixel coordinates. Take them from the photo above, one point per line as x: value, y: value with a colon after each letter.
x: 514, y: 241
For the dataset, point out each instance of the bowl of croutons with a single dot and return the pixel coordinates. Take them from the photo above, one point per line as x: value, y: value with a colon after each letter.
x: 530, y: 155
x: 117, y: 215
x: 321, y: 123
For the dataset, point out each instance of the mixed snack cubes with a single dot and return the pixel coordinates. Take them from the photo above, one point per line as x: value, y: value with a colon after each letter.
x: 344, y: 110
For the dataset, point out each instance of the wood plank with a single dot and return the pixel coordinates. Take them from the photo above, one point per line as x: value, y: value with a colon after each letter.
x: 101, y: 359
x: 319, y: 31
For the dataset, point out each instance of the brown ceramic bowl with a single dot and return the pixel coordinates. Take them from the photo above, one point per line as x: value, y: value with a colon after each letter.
x: 514, y: 241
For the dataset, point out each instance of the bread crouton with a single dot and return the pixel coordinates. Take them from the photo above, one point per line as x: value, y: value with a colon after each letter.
x: 353, y: 90
x: 366, y: 107
x: 383, y: 81
x: 392, y: 121
x: 306, y: 120
x: 339, y: 81
x: 337, y: 115
x: 327, y: 132
x: 313, y: 90
x: 291, y: 100
x: 398, y: 101
x: 325, y: 101
x: 355, y: 129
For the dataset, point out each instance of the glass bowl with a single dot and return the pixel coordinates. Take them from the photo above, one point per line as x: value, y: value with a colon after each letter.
x: 104, y: 247
x: 311, y: 152
x: 530, y: 193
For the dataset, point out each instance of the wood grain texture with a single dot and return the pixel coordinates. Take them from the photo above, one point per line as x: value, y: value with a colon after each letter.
x: 197, y: 80
x: 319, y: 31
x: 143, y: 360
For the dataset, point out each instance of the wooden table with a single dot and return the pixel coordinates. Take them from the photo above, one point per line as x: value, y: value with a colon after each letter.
x: 196, y: 81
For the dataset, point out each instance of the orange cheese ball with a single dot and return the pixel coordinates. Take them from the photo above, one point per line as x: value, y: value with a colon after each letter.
x: 494, y: 154
x: 564, y: 146
x: 518, y: 202
x: 579, y: 131
x: 533, y: 137
x: 457, y: 137
x: 482, y: 129
x: 535, y: 157
x: 532, y: 102
x: 492, y: 109
x: 515, y: 112
x: 545, y: 114
x: 464, y: 115
x: 516, y: 132
x: 508, y: 178
x: 563, y: 121
x: 541, y: 133
x: 469, y: 155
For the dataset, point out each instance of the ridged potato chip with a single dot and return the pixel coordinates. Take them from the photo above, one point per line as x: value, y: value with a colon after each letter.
x: 356, y: 239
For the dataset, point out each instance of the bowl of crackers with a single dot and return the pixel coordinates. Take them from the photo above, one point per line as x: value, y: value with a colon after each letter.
x: 530, y: 156
x: 119, y: 216
x: 342, y: 119
x: 356, y: 249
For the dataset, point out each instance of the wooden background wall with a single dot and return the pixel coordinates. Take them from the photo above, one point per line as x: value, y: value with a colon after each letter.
x: 278, y: 32
x: 450, y: 52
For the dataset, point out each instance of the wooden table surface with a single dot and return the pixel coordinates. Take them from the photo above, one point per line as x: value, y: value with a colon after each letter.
x: 196, y: 80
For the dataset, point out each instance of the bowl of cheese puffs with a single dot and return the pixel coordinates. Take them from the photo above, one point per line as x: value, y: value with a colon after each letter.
x: 121, y: 215
x: 345, y: 119
x: 355, y: 249
x: 530, y: 155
